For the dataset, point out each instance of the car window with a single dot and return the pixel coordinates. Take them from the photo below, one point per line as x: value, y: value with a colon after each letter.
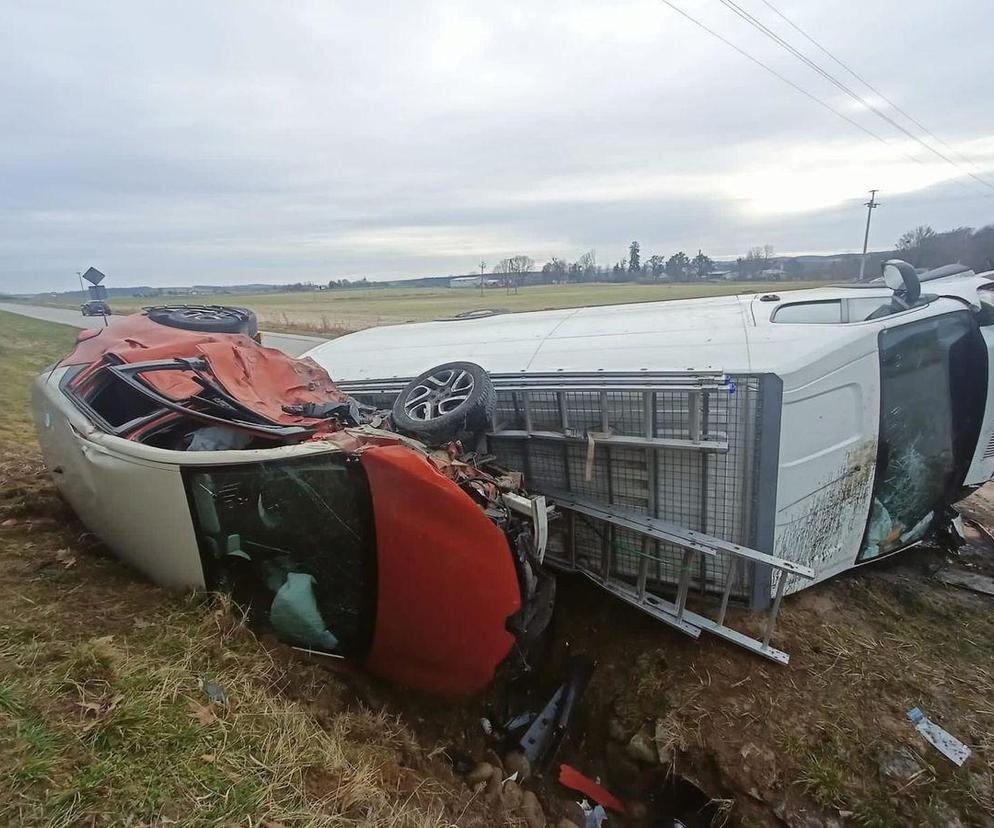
x: 294, y: 537
x: 117, y: 403
x: 809, y: 313
x: 868, y: 307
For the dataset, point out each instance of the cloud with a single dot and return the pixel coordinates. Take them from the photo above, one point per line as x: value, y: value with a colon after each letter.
x: 242, y: 141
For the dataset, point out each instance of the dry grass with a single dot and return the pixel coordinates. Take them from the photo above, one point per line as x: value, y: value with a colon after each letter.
x: 116, y: 726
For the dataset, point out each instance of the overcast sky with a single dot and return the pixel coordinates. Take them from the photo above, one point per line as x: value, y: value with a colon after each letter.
x: 191, y: 142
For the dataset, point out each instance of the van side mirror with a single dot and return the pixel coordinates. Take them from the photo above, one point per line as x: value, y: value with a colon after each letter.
x: 902, y: 278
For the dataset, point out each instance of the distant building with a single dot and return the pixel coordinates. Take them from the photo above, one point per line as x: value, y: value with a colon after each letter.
x: 473, y: 282
x: 465, y: 282
x: 772, y: 274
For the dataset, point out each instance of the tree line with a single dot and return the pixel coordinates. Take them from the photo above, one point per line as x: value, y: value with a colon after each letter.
x: 924, y: 247
x: 678, y: 267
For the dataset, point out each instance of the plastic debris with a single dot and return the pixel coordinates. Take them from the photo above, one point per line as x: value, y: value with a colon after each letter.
x: 947, y: 744
x: 593, y: 817
x: 294, y: 613
x: 571, y: 778
x: 213, y: 691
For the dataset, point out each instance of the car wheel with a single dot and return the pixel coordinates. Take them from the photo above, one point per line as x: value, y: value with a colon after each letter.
x: 206, y: 318
x: 445, y: 403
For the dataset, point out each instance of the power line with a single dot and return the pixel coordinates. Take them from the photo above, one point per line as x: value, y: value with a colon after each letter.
x: 787, y: 80
x: 866, y: 83
x: 761, y: 27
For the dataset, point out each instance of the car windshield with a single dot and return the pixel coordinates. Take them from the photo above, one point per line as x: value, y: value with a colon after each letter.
x: 292, y: 539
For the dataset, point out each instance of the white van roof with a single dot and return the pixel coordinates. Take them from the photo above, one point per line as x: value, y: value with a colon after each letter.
x: 732, y: 334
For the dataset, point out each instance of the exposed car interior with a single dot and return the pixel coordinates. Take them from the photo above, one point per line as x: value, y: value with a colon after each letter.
x: 293, y: 541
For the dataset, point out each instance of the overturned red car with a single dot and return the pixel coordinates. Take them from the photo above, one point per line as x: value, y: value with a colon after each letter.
x: 206, y: 460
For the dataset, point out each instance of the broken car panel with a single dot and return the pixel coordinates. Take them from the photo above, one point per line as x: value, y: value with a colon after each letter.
x: 206, y: 460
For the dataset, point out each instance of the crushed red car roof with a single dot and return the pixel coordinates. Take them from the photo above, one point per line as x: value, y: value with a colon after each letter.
x: 262, y: 379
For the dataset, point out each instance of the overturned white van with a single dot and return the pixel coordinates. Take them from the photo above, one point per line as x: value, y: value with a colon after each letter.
x: 743, y: 447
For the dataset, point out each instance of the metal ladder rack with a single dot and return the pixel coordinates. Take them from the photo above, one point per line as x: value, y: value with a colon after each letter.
x: 675, y: 613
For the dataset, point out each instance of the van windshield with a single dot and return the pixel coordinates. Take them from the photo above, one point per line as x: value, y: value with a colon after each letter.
x: 292, y: 538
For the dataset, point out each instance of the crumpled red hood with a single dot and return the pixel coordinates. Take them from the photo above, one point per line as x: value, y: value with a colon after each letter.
x: 263, y: 379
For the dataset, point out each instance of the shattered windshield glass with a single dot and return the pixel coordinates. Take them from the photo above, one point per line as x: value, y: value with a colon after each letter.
x: 929, y: 417
x: 293, y: 539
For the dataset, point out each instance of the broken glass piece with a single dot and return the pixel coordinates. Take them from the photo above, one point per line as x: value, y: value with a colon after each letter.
x: 878, y: 529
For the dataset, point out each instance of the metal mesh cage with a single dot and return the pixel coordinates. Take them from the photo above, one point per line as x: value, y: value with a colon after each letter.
x: 696, y: 469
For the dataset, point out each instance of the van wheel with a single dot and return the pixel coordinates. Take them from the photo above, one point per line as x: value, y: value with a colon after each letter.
x: 446, y: 403
x: 205, y: 318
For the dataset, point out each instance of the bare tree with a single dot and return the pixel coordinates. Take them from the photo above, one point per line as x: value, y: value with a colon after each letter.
x: 915, y: 244
x: 587, y: 264
x: 511, y: 270
x: 503, y: 270
x: 556, y: 269
x: 702, y: 264
x: 656, y: 265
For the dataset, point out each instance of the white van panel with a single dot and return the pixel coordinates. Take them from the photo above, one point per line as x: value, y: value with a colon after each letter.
x: 828, y: 448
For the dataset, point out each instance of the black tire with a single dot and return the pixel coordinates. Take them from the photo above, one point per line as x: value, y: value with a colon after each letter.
x: 205, y: 318
x: 442, y: 405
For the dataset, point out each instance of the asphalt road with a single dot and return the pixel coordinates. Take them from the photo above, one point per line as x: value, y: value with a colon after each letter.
x: 292, y: 344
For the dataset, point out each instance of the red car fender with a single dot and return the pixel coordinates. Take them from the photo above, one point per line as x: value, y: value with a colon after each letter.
x: 446, y: 578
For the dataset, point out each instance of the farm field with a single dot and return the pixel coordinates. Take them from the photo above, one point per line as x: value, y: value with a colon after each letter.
x: 333, y: 312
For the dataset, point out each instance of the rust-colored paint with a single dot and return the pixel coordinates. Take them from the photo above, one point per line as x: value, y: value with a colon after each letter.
x: 446, y: 578
x: 262, y: 379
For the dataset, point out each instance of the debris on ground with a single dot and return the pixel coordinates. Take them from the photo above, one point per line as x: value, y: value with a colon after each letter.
x: 545, y: 734
x: 966, y: 580
x: 947, y: 744
x: 571, y: 778
x: 901, y: 765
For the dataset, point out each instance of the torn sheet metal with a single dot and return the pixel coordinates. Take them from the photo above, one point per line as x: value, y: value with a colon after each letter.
x: 264, y: 380
x: 966, y: 580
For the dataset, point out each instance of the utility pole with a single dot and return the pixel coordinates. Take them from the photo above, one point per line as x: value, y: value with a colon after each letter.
x: 870, y: 205
x: 483, y: 267
x: 82, y: 290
